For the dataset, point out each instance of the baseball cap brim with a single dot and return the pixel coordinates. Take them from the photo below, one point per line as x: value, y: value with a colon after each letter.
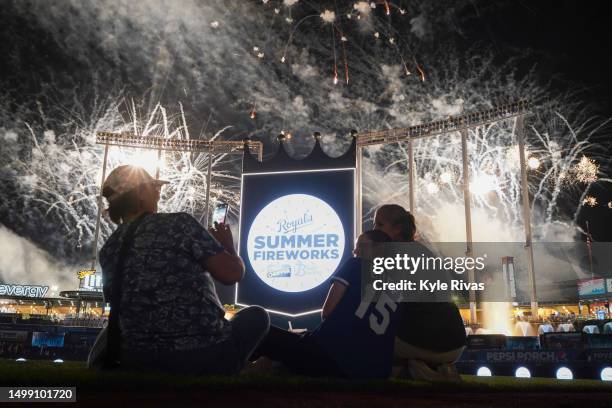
x: 160, y: 182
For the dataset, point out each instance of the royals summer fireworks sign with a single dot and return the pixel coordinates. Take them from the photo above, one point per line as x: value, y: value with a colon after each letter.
x: 297, y: 223
x: 295, y: 243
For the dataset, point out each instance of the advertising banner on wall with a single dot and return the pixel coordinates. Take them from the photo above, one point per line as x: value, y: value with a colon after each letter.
x: 46, y: 339
x: 297, y: 226
x: 591, y: 287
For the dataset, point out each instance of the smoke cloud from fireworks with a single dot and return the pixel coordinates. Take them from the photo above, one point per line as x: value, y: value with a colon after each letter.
x: 24, y: 263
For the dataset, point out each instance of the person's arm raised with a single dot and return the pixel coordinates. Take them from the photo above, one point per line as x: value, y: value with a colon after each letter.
x: 226, y: 266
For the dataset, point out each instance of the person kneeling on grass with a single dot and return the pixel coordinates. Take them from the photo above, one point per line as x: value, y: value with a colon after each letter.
x: 430, y: 335
x: 354, y: 339
x: 157, y: 272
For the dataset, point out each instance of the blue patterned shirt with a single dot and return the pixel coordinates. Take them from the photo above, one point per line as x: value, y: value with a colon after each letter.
x: 169, y: 301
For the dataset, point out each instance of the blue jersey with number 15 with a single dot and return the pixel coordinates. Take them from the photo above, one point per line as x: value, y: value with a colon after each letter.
x: 360, y: 333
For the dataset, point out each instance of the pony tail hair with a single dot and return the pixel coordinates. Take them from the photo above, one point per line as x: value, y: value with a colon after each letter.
x: 408, y: 226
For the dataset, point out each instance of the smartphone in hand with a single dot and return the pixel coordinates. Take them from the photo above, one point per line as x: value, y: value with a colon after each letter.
x: 220, y: 213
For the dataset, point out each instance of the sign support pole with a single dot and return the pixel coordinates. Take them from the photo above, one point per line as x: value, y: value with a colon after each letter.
x: 157, y: 167
x: 208, y: 181
x: 358, y: 190
x: 97, y: 231
x: 469, y: 252
x: 520, y: 135
x: 411, y: 175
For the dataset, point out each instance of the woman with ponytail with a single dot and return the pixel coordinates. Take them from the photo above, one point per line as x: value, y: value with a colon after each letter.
x: 430, y: 335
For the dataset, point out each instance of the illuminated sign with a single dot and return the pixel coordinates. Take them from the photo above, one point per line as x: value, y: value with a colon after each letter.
x: 296, y: 229
x: 526, y: 356
x: 295, y: 242
x: 46, y: 339
x: 591, y: 287
x: 91, y: 282
x: 33, y: 291
x: 297, y: 225
x: 85, y: 272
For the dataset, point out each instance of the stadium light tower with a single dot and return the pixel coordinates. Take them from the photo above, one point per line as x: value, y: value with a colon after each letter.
x: 124, y: 139
x: 462, y: 124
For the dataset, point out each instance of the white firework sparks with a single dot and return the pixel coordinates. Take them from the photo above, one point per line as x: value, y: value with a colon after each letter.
x: 381, y: 96
x: 328, y: 16
x: 65, y: 178
x: 586, y: 170
x: 363, y: 7
x: 590, y: 201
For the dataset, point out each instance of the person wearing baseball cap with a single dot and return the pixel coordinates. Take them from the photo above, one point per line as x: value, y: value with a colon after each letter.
x: 130, y: 191
x: 157, y: 274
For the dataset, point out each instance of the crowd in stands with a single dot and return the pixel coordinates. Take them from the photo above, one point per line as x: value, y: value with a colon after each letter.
x: 71, y: 320
x: 79, y: 333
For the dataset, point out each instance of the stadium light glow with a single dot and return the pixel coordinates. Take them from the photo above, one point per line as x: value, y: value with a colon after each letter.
x: 606, y: 374
x: 522, y: 372
x: 533, y: 163
x: 483, y: 183
x: 564, y: 373
x: 484, y: 372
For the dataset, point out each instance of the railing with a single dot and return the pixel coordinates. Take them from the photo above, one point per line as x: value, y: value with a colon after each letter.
x: 452, y: 124
x: 173, y: 144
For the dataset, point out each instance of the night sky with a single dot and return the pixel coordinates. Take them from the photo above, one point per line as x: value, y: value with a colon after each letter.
x: 571, y: 43
x: 570, y: 39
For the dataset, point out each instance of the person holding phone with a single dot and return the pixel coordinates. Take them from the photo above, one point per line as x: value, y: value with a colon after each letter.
x: 169, y: 314
x: 220, y: 213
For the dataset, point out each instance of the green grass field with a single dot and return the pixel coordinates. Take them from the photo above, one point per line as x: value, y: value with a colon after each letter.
x: 287, y: 390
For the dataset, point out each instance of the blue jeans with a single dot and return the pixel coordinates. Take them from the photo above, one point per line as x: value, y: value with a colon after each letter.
x: 249, y: 327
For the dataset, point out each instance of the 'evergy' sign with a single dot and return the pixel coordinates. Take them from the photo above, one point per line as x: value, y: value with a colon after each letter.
x: 33, y: 291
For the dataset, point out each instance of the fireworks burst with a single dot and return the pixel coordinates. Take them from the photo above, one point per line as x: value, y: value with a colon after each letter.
x: 365, y: 14
x: 363, y: 7
x: 64, y: 178
x: 586, y: 170
x: 328, y: 16
x: 494, y: 176
x: 590, y: 201
x: 54, y: 166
